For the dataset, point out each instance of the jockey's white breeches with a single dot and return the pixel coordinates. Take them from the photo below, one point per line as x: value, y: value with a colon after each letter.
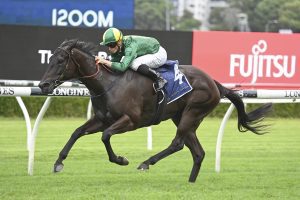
x: 152, y: 60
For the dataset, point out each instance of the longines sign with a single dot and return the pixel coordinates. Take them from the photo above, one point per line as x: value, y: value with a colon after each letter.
x: 35, y: 91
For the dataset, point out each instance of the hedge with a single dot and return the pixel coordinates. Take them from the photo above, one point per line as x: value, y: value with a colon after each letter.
x: 77, y: 107
x: 59, y: 107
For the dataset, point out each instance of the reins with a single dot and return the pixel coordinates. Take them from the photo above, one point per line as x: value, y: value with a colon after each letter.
x: 92, y: 76
x: 107, y: 69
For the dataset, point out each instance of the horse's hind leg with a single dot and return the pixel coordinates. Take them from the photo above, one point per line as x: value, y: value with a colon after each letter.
x: 176, y: 145
x: 91, y: 126
x: 192, y: 142
x: 189, y: 122
x: 186, y: 129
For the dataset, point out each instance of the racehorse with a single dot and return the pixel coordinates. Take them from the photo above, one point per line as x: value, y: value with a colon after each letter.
x: 125, y: 101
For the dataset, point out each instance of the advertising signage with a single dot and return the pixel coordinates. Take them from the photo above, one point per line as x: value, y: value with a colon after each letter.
x: 248, y: 58
x: 25, y: 50
x: 76, y: 13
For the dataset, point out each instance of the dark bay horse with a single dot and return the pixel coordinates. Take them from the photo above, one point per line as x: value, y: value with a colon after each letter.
x: 125, y: 102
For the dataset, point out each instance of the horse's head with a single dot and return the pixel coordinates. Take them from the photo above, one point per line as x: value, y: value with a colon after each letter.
x: 67, y: 62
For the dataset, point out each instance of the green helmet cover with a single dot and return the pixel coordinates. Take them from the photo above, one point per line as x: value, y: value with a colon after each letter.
x: 111, y: 35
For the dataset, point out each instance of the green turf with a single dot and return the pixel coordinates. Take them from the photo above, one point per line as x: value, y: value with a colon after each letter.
x: 252, y: 167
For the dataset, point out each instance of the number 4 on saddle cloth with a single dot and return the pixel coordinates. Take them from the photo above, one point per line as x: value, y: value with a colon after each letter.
x: 177, y: 84
x: 176, y: 87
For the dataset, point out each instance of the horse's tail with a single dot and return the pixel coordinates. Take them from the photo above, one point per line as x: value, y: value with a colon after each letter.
x: 246, y: 121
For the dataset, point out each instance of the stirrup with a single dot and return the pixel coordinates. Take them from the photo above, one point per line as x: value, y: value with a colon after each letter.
x: 163, y: 96
x: 158, y: 92
x: 155, y: 88
x: 158, y: 88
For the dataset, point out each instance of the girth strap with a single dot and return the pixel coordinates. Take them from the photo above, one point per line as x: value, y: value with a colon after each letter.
x: 160, y: 106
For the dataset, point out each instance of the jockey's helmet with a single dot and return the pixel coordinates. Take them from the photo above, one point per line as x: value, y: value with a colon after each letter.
x: 111, y: 35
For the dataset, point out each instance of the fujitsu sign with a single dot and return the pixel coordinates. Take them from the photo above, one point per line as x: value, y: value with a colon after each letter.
x: 249, y: 58
x: 259, y: 64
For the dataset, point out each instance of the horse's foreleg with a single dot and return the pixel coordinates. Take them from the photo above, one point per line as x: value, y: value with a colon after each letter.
x: 91, y: 126
x: 122, y: 125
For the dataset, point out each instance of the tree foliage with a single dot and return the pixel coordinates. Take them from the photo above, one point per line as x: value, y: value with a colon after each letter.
x: 263, y: 15
x: 152, y: 15
x: 267, y: 13
x: 270, y: 14
x: 223, y: 19
x: 187, y: 22
x: 289, y: 15
x: 248, y: 7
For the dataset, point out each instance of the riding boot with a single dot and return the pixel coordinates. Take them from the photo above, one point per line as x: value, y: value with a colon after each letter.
x: 153, y: 75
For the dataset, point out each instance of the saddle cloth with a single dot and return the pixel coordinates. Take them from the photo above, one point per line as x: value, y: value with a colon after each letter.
x: 177, y: 85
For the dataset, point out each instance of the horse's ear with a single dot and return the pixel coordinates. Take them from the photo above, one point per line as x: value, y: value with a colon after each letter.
x: 75, y: 41
x: 64, y: 42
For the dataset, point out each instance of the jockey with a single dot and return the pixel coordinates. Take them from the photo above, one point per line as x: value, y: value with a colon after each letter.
x: 140, y: 53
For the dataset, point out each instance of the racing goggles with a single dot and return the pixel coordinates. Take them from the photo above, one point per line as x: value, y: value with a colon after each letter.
x: 112, y: 44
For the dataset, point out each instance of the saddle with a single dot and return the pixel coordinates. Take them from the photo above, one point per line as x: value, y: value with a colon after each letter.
x: 177, y: 86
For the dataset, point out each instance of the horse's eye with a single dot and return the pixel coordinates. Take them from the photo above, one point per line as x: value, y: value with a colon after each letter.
x: 60, y: 60
x: 57, y: 59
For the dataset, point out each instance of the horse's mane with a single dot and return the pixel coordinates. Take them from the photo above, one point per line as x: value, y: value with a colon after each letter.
x: 88, y: 47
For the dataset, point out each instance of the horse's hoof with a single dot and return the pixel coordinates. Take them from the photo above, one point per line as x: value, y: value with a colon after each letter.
x: 122, y: 160
x: 58, y: 167
x: 143, y: 167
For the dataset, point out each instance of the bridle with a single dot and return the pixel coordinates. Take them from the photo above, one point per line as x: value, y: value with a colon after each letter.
x: 58, y: 81
x: 92, y: 76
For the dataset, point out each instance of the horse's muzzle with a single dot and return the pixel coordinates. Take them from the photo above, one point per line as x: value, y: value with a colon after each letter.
x: 46, y: 87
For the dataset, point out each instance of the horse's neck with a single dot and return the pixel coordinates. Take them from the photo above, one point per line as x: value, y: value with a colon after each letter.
x: 93, y: 86
x: 101, y: 84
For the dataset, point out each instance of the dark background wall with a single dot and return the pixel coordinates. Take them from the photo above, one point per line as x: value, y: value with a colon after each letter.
x: 20, y: 47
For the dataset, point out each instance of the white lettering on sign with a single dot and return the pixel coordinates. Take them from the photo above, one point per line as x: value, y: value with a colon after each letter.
x: 7, y: 91
x: 259, y: 65
x: 71, y: 92
x: 89, y: 18
x: 46, y: 54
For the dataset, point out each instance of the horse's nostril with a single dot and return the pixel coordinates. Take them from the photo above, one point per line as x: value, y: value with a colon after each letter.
x: 44, y: 84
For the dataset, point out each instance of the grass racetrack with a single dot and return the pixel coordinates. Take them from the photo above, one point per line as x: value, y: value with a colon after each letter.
x: 252, y: 166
